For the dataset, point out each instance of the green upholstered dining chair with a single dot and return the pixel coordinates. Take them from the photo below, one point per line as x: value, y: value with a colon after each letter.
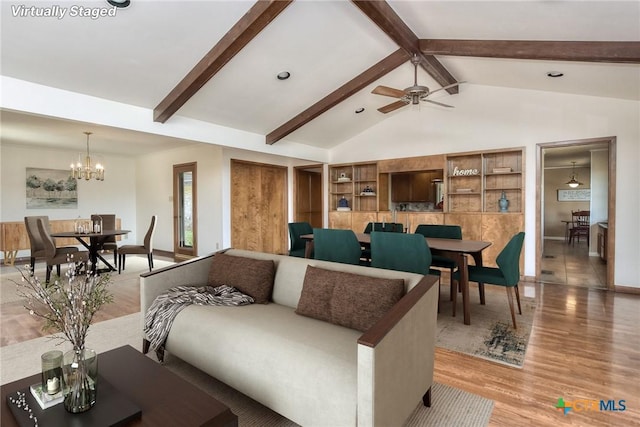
x: 402, y: 252
x: 394, y: 227
x: 442, y: 232
x: 336, y: 245
x: 507, y: 273
x: 297, y: 229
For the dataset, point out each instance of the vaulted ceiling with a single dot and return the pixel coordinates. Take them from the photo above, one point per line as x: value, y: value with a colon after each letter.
x: 334, y: 51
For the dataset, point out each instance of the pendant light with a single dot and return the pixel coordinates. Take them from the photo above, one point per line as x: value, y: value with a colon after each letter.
x: 86, y: 169
x: 573, y: 182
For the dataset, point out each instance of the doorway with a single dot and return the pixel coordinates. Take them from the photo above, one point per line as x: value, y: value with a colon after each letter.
x: 583, y: 262
x: 185, y: 203
x: 308, y: 195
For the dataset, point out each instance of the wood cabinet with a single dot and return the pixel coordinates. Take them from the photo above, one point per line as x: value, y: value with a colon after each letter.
x: 414, y: 186
x: 352, y: 182
x: 603, y: 230
x: 475, y: 182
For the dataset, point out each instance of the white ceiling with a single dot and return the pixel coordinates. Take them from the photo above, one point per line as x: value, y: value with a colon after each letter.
x: 139, y: 55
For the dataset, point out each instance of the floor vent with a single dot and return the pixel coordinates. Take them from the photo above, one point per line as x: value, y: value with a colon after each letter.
x: 548, y: 256
x: 546, y: 272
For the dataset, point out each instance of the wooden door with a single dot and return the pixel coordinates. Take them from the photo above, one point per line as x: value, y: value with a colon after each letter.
x: 185, y: 210
x: 259, y: 207
x: 308, y: 195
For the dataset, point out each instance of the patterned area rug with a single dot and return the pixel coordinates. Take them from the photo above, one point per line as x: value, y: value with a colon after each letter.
x: 491, y: 335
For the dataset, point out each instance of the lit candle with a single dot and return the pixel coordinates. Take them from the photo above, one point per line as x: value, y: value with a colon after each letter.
x: 53, y: 384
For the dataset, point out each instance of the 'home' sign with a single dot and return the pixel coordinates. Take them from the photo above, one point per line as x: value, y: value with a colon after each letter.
x: 465, y: 172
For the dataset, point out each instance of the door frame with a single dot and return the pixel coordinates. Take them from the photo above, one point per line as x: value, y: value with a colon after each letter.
x: 611, y: 202
x: 179, y: 251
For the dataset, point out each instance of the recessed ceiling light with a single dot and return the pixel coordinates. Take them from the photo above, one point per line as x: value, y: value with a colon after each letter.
x: 359, y: 110
x: 555, y: 74
x: 284, y: 75
x: 119, y: 3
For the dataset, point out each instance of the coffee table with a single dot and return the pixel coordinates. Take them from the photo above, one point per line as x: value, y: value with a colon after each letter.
x: 163, y: 397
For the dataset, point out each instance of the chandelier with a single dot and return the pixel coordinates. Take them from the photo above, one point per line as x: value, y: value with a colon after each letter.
x: 86, y: 169
x: 573, y: 182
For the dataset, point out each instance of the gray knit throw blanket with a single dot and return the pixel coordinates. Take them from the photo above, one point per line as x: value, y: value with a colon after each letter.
x: 165, y: 308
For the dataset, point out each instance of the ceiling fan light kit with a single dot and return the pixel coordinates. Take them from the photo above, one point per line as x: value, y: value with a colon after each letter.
x: 411, y: 95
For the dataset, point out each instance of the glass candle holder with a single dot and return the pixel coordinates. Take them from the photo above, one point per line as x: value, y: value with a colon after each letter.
x: 52, y: 372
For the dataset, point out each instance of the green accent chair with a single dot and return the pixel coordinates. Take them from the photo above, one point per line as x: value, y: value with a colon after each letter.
x: 394, y: 227
x: 440, y: 261
x: 402, y: 252
x: 507, y: 273
x: 336, y: 246
x: 297, y: 229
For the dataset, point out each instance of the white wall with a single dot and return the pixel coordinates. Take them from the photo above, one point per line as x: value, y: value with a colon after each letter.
x: 493, y: 118
x: 155, y: 190
x: 116, y: 194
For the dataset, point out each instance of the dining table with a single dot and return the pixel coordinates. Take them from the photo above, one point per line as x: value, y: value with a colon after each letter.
x: 454, y: 249
x: 93, y: 241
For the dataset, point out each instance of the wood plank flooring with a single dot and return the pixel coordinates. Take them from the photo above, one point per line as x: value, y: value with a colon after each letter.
x: 585, y: 345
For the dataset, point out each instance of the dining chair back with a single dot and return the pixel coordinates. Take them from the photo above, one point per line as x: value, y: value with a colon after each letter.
x: 507, y: 273
x: 394, y: 227
x: 440, y: 231
x: 336, y: 245
x: 52, y: 254
x: 298, y: 245
x: 580, y: 226
x: 109, y: 243
x: 144, y: 249
x: 400, y: 251
x: 35, y: 241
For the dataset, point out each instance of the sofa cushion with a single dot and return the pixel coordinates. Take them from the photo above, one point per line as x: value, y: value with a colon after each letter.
x: 253, y: 277
x: 346, y: 299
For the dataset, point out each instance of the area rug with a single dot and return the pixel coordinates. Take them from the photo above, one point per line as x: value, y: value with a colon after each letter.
x: 491, y: 335
x: 450, y: 406
x: 135, y: 266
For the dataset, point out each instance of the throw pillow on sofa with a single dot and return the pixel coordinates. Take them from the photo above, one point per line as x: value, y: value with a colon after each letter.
x: 253, y: 277
x: 351, y: 300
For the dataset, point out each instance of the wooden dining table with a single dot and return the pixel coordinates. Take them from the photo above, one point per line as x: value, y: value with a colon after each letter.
x: 93, y: 244
x: 455, y: 249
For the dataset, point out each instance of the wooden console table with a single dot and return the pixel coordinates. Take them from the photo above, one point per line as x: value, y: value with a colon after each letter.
x: 14, y: 238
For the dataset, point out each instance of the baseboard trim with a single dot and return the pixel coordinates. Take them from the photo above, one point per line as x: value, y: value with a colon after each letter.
x: 627, y: 290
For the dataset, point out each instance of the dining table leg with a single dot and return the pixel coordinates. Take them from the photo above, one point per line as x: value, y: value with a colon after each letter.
x: 477, y: 258
x: 464, y: 284
x: 308, y: 249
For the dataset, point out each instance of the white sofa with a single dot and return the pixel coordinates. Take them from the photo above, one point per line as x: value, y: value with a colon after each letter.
x: 313, y: 372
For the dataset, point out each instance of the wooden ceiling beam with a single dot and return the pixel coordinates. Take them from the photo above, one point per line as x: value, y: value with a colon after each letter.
x: 585, y: 51
x: 249, y: 26
x: 381, y: 13
x: 359, y: 82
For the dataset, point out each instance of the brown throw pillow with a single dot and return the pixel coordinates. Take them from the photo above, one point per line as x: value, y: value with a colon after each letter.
x: 253, y: 277
x: 347, y: 299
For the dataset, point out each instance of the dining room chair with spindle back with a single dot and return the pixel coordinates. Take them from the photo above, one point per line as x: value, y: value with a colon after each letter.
x: 109, y: 244
x: 145, y: 249
x: 440, y: 231
x: 337, y: 246
x: 580, y: 226
x: 507, y: 273
x: 298, y: 245
x: 54, y: 255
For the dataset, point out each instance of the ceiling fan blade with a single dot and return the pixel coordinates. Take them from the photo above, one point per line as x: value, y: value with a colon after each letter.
x: 437, y: 103
x: 393, y: 106
x: 446, y: 87
x: 388, y: 91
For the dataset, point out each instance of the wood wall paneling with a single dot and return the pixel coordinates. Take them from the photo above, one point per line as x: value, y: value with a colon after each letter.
x: 412, y: 164
x: 340, y: 220
x: 359, y: 220
x: 471, y: 224
x: 499, y: 228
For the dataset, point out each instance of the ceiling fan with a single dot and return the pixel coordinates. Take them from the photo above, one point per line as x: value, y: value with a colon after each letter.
x: 411, y: 95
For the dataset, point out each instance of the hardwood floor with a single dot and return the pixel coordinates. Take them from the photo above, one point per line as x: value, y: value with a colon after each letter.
x: 585, y: 345
x: 572, y: 265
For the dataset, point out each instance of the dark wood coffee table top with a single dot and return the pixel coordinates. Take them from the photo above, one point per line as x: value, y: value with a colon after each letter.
x: 163, y: 397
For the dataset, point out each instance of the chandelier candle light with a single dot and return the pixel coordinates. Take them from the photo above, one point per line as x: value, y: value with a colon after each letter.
x: 87, y: 170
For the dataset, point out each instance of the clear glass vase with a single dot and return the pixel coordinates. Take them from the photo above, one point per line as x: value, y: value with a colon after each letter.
x: 80, y: 372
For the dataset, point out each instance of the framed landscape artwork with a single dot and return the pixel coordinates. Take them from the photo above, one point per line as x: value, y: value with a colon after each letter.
x: 50, y: 189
